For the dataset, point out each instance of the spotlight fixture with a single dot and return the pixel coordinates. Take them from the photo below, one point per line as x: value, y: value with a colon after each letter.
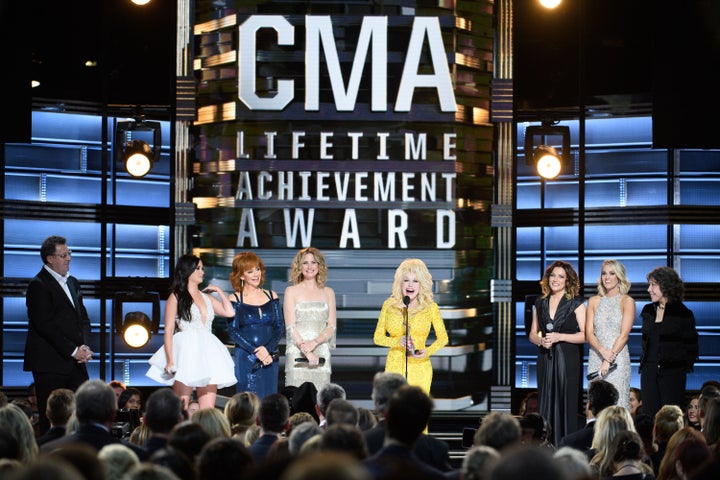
x: 138, y: 158
x: 541, y: 144
x: 547, y: 161
x: 132, y: 149
x: 136, y: 327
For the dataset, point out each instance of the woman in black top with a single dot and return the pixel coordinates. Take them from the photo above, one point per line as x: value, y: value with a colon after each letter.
x: 669, y: 342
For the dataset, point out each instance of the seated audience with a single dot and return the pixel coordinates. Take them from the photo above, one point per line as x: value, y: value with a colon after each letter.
x: 626, y: 454
x: 60, y: 407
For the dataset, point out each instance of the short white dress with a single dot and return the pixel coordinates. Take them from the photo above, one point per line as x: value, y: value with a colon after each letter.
x: 200, y: 357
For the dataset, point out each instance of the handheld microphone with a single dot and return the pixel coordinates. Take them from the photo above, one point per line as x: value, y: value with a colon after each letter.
x: 406, y: 301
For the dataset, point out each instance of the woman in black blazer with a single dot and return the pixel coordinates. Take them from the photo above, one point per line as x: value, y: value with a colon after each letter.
x: 669, y: 342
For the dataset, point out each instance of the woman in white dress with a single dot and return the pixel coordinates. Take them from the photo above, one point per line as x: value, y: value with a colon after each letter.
x: 192, y: 357
x: 610, y: 317
x: 310, y: 321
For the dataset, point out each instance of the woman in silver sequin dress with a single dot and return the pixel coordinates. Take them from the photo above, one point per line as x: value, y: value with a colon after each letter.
x: 610, y: 317
x: 310, y: 321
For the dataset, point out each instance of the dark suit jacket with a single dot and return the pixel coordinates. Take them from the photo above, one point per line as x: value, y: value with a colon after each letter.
x: 580, y: 440
x: 93, y: 435
x: 52, y: 434
x: 429, y: 449
x: 55, y: 326
x: 261, y: 446
x: 396, y: 461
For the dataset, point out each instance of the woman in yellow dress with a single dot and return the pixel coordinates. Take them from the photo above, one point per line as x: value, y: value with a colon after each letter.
x: 412, y: 296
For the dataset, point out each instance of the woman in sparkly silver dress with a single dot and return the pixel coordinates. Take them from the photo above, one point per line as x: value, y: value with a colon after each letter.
x: 310, y: 321
x: 610, y: 317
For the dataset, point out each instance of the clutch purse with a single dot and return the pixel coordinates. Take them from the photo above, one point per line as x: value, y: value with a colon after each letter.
x: 594, y: 375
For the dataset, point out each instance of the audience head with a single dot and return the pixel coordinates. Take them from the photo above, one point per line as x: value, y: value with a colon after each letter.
x: 689, y: 455
x: 60, y: 406
x: 17, y: 423
x: 668, y: 420
x: 163, y: 410
x: 95, y: 402
x: 241, y: 411
x: 534, y: 429
x: 667, y: 467
x: 644, y: 424
x: 477, y: 462
x: 528, y: 461
x: 176, y: 461
x: 325, y: 465
x: 408, y: 414
x: 601, y: 394
x: 635, y: 401
x: 189, y: 438
x: 340, y: 410
x: 498, y: 430
x: 711, y: 427
x: 130, y: 399
x: 9, y: 448
x: 707, y: 393
x: 45, y: 468
x: 610, y: 421
x: 150, y: 471
x: 213, y: 421
x: 297, y: 418
x: 366, y: 419
x: 529, y: 404
x: 691, y: 411
x: 346, y: 438
x: 274, y: 413
x: 301, y: 434
x: 574, y: 462
x: 223, y: 457
x: 117, y: 387
x: 326, y: 394
x: 627, y: 445
x: 118, y: 459
x: 384, y: 385
x: 193, y: 406
x: 139, y: 435
x: 83, y: 457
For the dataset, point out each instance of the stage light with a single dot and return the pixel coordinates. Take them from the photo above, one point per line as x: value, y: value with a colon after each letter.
x: 132, y: 149
x: 136, y: 329
x: 138, y: 158
x: 541, y: 148
x: 547, y: 161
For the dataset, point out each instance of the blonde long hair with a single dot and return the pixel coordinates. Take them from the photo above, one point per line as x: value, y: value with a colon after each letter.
x: 610, y: 421
x: 619, y: 269
x: 296, y: 275
x: 416, y: 267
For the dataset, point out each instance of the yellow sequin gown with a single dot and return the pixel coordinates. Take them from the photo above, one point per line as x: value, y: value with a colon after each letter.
x: 391, y: 326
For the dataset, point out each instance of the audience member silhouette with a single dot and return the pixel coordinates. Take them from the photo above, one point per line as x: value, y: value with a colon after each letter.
x: 60, y: 407
x: 273, y: 416
x: 163, y: 410
x: 498, y: 430
x: 601, y: 394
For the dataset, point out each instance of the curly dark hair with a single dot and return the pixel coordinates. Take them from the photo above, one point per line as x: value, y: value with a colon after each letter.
x: 572, y: 283
x: 670, y: 283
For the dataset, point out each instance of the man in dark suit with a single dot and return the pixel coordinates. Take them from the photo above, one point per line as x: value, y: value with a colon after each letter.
x: 95, y: 409
x: 601, y: 394
x: 163, y: 410
x: 56, y: 350
x: 428, y: 449
x: 273, y: 417
x: 406, y: 416
x: 60, y: 407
